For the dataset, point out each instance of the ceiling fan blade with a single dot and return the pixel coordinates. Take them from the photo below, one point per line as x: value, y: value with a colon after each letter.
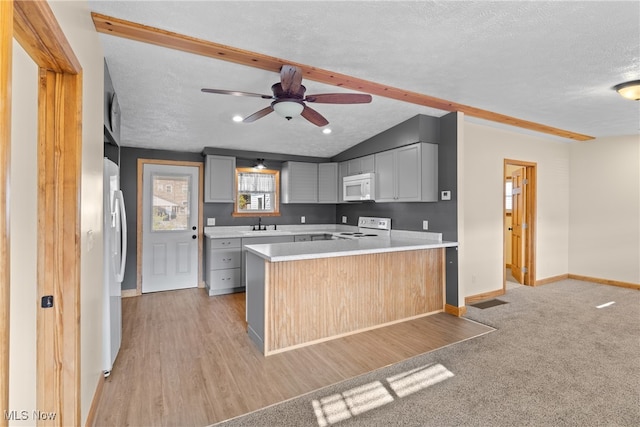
x: 258, y: 115
x: 339, y: 98
x: 314, y: 117
x: 236, y: 93
x: 290, y: 78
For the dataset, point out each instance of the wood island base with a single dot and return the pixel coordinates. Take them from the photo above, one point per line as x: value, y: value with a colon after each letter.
x: 291, y: 304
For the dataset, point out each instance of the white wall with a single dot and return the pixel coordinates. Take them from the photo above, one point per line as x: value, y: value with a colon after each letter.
x: 75, y: 20
x: 23, y: 234
x: 605, y: 209
x: 481, y: 186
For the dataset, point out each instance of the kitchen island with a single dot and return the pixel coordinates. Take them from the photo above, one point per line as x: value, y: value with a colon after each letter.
x: 305, y: 293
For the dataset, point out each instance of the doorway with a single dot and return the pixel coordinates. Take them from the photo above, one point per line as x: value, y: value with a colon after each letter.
x: 59, y: 169
x: 519, y: 222
x: 169, y: 225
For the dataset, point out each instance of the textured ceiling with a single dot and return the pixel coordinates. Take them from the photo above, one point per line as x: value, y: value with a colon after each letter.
x: 548, y: 62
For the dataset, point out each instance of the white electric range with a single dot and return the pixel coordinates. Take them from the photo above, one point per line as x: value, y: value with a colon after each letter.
x: 368, y: 227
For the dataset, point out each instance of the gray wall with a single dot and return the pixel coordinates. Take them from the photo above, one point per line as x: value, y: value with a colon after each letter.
x: 442, y: 215
x: 289, y: 214
x: 129, y: 186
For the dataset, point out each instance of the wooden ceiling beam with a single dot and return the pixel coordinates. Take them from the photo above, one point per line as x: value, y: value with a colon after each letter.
x: 143, y: 33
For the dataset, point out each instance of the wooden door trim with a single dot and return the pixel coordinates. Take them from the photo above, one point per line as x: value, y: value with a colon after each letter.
x: 6, y: 52
x: 530, y: 215
x: 141, y: 163
x: 35, y: 27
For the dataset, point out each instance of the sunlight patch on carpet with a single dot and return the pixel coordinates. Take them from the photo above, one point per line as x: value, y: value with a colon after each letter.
x: 417, y: 379
x: 606, y: 304
x: 341, y: 406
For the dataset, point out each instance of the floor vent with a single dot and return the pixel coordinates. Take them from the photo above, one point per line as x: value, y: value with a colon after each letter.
x: 488, y: 304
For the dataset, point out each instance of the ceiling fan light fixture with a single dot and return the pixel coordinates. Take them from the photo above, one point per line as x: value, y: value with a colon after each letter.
x: 629, y: 90
x: 259, y: 164
x: 288, y: 108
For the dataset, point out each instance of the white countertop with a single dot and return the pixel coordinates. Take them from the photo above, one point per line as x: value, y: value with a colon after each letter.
x: 283, y: 230
x: 344, y: 247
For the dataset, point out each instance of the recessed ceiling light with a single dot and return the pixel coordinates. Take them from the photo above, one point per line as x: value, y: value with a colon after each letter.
x: 326, y: 131
x: 237, y: 118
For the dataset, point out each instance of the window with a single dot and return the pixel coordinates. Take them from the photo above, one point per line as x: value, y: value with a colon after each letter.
x: 257, y: 192
x: 508, y: 190
x: 171, y: 212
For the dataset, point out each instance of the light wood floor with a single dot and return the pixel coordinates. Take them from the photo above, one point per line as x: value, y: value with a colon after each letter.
x: 186, y: 359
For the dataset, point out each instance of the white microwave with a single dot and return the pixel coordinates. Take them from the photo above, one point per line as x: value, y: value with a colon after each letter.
x: 360, y: 187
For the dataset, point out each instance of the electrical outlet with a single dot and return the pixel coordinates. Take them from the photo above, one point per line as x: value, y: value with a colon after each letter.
x: 211, y: 222
x: 425, y: 225
x: 445, y: 195
x: 303, y: 219
x: 344, y: 219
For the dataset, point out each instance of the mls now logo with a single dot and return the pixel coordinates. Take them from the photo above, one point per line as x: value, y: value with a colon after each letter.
x: 29, y: 415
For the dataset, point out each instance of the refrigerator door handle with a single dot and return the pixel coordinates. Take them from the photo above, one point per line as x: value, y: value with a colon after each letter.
x: 123, y: 228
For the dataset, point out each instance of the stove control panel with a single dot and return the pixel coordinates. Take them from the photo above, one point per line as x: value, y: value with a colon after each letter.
x: 374, y: 223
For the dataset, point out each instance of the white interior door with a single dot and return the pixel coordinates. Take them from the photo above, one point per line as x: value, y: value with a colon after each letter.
x: 170, y: 227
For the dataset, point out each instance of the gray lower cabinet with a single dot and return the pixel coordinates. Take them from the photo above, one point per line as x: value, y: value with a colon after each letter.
x: 407, y: 174
x: 223, y: 260
x: 311, y: 237
x: 219, y: 179
x: 259, y: 241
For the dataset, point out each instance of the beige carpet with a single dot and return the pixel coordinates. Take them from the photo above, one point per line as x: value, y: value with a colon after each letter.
x: 556, y: 359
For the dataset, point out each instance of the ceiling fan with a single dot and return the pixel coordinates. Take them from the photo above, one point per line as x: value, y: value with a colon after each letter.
x: 289, y: 99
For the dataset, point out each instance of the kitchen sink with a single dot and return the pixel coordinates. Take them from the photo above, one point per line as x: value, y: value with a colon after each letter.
x: 265, y: 233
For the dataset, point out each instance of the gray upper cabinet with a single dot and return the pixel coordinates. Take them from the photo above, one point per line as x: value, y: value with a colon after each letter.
x: 407, y: 174
x: 361, y: 165
x: 219, y: 179
x: 327, y: 183
x: 385, y: 176
x: 299, y: 182
x: 343, y: 170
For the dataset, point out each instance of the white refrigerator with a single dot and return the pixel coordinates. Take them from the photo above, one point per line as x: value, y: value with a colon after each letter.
x: 115, y: 254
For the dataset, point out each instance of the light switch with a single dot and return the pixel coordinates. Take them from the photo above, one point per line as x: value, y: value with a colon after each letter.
x: 425, y: 225
x: 302, y: 219
x: 211, y: 222
x: 344, y: 219
x: 445, y: 195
